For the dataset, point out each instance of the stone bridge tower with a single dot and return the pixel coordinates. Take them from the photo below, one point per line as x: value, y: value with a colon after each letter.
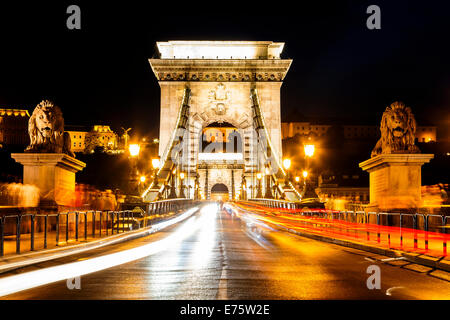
x: 220, y: 76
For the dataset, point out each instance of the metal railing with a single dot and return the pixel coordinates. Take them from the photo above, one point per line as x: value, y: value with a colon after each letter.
x: 418, y: 221
x: 35, y: 231
x: 430, y: 230
x: 273, y: 203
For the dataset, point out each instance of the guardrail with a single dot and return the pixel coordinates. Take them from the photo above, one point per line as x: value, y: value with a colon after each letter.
x: 419, y: 221
x: 274, y: 203
x: 384, y: 225
x: 35, y: 231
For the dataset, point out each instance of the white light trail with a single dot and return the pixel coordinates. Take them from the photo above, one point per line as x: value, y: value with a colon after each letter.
x: 203, y: 249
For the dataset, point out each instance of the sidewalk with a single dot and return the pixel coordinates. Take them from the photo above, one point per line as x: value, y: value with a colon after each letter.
x: 13, y: 261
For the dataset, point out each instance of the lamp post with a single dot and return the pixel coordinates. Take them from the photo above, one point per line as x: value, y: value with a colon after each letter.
x: 182, y: 195
x: 155, y: 165
x: 268, y: 193
x: 142, y: 180
x: 173, y: 192
x: 286, y: 165
x: 134, y: 154
x: 259, y: 187
x: 309, y: 150
x: 243, y: 188
x: 196, y: 188
x: 309, y: 191
x: 305, y: 174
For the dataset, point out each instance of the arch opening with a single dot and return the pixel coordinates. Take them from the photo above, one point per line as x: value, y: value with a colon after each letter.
x: 219, y: 192
x: 220, y: 137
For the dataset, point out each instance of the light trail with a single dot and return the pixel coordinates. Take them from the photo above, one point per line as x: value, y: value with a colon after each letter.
x: 29, y: 280
x: 406, y: 239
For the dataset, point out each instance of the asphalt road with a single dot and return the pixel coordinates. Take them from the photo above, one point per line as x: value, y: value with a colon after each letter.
x: 225, y: 257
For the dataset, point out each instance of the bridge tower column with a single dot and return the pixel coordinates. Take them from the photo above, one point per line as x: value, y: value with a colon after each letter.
x: 206, y: 184
x: 232, y: 185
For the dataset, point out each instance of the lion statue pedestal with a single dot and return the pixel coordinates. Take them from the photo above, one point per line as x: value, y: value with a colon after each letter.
x: 395, y: 166
x: 53, y: 174
x: 48, y: 162
x: 395, y: 180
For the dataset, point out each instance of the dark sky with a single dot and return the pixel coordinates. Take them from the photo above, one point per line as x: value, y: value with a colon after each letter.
x: 340, y: 69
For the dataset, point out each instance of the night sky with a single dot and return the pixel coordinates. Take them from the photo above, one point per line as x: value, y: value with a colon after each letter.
x: 101, y: 74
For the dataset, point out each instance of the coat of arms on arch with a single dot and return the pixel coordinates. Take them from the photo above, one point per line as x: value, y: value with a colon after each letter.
x: 219, y: 99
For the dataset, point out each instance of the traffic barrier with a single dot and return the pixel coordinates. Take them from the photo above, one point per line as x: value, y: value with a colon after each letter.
x: 41, y: 231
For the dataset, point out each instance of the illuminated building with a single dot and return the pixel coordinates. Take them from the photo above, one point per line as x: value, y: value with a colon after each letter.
x: 84, y: 140
x: 77, y: 139
x: 343, y: 191
x: 351, y: 132
x: 14, y: 127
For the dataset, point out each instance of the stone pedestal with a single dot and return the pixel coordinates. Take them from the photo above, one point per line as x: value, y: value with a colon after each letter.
x: 53, y: 174
x: 395, y: 180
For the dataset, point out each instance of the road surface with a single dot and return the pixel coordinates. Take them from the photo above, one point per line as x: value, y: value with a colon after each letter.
x: 222, y: 256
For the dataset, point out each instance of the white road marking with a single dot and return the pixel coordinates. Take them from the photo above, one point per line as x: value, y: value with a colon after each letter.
x: 393, y: 259
x: 389, y: 291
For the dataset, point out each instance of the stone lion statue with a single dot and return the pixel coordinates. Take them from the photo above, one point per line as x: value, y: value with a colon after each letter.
x: 46, y: 130
x: 398, y: 128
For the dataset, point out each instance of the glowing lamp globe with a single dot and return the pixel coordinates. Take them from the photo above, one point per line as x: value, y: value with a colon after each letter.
x: 287, y: 163
x: 155, y: 163
x: 134, y: 149
x: 309, y: 150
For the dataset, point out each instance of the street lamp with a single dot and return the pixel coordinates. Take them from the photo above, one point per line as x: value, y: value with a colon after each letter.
x: 297, y: 182
x: 134, y: 149
x: 173, y: 193
x: 268, y: 194
x: 196, y: 188
x: 259, y: 193
x: 309, y: 191
x: 155, y: 165
x: 309, y: 150
x: 244, y: 188
x: 134, y: 153
x: 286, y: 165
x: 182, y: 195
x: 142, y: 179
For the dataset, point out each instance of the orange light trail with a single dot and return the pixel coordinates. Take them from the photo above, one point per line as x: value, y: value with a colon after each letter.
x: 396, y: 238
